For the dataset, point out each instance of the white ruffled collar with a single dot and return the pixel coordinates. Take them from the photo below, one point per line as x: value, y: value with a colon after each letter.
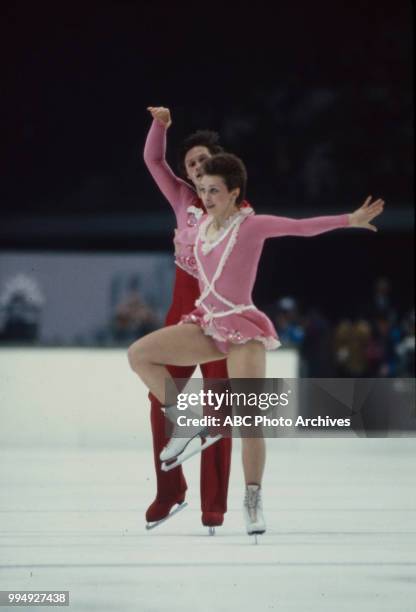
x: 206, y: 244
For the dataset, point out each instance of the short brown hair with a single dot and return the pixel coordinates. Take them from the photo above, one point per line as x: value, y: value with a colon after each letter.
x: 231, y: 169
x: 201, y: 138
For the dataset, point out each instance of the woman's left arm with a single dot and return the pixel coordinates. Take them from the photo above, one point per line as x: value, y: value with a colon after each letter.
x: 270, y: 226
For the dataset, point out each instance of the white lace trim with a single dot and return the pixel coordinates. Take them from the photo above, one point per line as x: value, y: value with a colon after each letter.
x: 208, y: 245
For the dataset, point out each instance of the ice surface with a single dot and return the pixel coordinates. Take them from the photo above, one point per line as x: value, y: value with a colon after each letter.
x: 341, y: 531
x: 340, y: 514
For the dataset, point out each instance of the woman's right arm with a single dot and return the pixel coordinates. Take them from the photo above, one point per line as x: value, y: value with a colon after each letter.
x: 178, y: 193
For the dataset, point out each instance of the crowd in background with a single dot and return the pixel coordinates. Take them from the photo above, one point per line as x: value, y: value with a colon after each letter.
x: 380, y: 342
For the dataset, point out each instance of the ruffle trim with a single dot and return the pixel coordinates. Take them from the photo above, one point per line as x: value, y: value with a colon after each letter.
x: 270, y: 342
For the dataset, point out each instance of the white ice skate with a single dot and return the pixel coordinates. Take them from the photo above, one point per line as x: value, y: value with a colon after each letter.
x: 253, y: 511
x: 179, y: 450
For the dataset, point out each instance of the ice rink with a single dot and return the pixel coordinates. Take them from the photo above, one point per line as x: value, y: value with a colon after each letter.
x: 76, y: 476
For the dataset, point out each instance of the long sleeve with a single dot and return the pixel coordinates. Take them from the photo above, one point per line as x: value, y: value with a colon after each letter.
x: 178, y: 193
x: 270, y: 226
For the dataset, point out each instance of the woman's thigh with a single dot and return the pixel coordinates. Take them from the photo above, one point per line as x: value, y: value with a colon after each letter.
x: 176, y: 345
x: 247, y: 360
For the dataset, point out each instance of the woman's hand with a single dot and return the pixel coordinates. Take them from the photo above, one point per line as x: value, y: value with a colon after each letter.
x: 161, y: 114
x: 366, y: 213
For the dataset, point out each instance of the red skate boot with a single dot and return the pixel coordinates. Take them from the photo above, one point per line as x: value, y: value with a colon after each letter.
x: 161, y: 510
x: 212, y: 520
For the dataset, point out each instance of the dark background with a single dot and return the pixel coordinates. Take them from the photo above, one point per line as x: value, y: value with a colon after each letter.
x: 317, y: 98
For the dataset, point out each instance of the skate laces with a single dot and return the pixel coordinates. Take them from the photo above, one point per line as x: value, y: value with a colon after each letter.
x: 252, y: 501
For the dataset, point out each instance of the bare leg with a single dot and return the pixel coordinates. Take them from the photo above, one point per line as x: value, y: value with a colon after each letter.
x: 177, y: 345
x: 249, y: 361
x: 185, y: 345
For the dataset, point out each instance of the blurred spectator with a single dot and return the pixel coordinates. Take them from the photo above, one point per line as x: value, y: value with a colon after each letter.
x: 342, y: 349
x: 133, y: 318
x: 351, y: 342
x: 21, y: 302
x: 381, y: 300
x: 361, y: 338
x: 405, y: 349
x: 288, y: 326
x: 319, y: 172
x: 316, y: 348
x: 382, y: 355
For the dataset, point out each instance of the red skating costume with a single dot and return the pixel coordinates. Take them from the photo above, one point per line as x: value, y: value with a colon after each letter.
x: 216, y: 460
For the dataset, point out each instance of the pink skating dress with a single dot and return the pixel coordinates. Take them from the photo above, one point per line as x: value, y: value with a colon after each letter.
x: 227, y: 271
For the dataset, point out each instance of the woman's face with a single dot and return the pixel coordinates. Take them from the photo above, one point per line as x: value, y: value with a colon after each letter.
x: 218, y: 201
x: 193, y: 161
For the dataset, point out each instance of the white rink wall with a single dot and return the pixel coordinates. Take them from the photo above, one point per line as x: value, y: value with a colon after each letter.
x: 83, y: 398
x: 80, y: 290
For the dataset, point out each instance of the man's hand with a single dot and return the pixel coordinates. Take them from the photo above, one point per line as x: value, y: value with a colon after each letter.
x: 161, y: 114
x: 366, y: 213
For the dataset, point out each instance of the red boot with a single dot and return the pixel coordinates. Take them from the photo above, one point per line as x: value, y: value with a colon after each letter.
x: 212, y: 519
x: 171, y: 486
x: 159, y: 509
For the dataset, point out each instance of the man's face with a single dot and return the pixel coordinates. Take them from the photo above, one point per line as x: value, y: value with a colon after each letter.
x: 193, y: 161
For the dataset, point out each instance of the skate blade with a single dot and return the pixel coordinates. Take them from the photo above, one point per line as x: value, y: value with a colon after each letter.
x: 178, y: 508
x: 187, y: 453
x: 255, y: 534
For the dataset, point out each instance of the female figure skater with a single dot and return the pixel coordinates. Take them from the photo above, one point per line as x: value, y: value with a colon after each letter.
x: 228, y: 245
x: 216, y: 462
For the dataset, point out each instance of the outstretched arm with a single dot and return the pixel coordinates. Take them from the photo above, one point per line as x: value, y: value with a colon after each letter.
x: 269, y: 226
x: 178, y: 193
